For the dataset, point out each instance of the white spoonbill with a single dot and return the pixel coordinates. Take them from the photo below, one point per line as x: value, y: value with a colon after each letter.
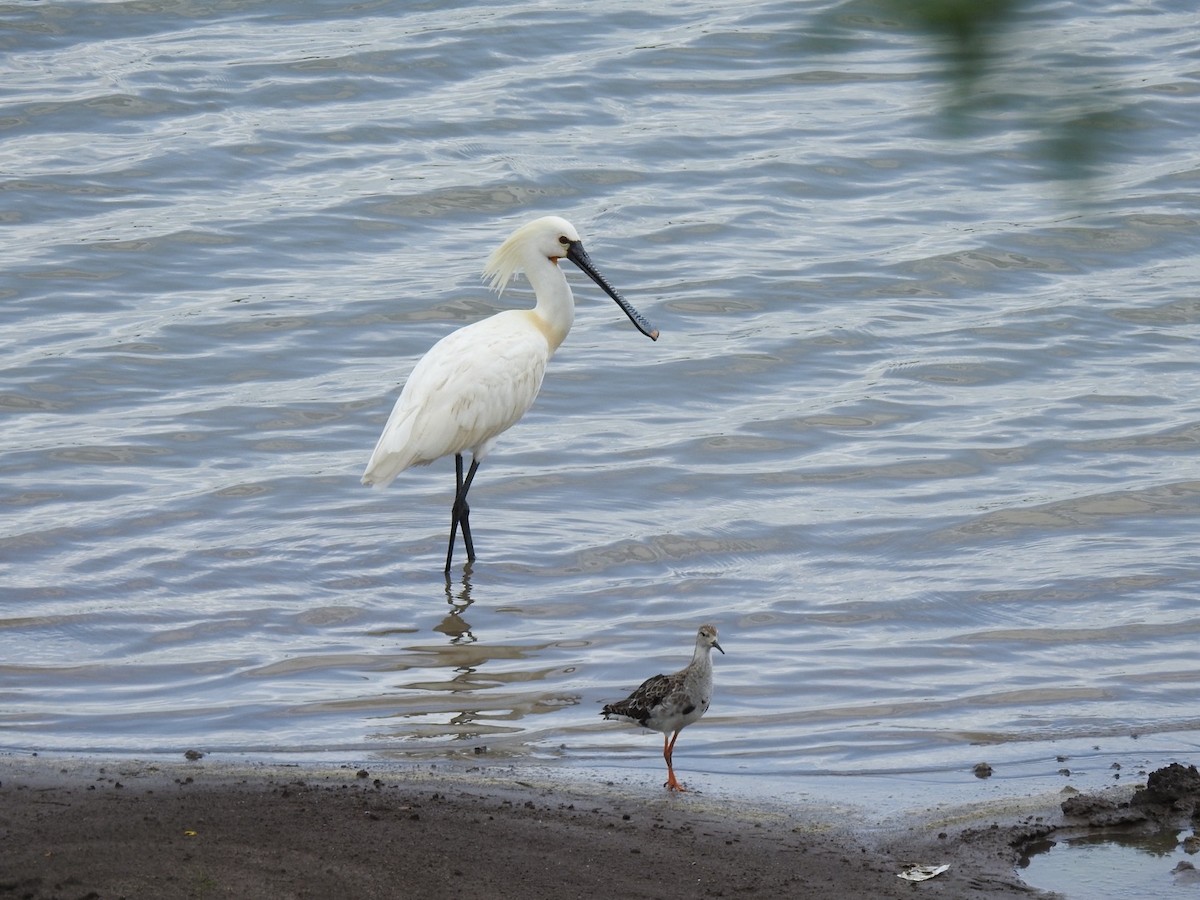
x: 476, y: 383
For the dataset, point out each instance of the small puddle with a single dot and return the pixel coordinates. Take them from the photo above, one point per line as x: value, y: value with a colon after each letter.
x: 1115, y: 864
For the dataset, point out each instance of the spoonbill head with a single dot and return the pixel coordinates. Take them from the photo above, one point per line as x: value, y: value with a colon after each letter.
x: 552, y: 238
x: 477, y: 382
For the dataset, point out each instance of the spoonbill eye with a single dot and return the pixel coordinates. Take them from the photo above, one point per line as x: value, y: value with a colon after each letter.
x: 564, y: 240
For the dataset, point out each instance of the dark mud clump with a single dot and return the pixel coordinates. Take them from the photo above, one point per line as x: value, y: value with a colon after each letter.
x: 1170, y: 792
x: 1175, y: 786
x: 1099, y: 811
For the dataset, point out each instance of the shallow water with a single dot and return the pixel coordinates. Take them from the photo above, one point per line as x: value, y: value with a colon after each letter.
x: 920, y: 433
x: 1113, y: 866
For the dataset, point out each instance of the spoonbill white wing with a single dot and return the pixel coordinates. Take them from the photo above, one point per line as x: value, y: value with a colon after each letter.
x: 472, y: 385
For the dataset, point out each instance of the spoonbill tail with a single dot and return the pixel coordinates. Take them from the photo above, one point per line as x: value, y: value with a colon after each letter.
x: 476, y: 383
x: 669, y: 703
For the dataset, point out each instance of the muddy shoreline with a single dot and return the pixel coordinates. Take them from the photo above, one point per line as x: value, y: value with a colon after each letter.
x: 102, y: 829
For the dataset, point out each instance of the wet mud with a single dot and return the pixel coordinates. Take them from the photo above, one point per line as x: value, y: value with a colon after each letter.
x: 93, y: 830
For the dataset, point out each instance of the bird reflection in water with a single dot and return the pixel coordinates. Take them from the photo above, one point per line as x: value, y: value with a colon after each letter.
x: 454, y: 625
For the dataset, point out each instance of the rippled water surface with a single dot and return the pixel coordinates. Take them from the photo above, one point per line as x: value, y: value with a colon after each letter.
x: 920, y: 434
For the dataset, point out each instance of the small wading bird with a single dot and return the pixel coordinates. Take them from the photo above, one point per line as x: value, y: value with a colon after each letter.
x: 669, y: 703
x: 477, y: 382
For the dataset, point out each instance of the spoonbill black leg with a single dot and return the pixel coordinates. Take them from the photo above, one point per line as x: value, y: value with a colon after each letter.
x: 460, y: 512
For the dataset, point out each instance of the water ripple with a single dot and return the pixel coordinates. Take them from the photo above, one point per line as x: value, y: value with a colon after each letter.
x: 918, y: 434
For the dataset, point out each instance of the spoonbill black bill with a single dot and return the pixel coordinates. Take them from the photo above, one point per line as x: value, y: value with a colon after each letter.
x: 477, y: 382
x: 669, y: 703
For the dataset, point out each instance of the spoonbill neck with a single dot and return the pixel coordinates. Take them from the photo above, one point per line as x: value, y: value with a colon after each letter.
x: 555, y: 303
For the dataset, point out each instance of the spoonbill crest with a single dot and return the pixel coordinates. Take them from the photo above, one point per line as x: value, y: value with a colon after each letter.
x: 476, y: 383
